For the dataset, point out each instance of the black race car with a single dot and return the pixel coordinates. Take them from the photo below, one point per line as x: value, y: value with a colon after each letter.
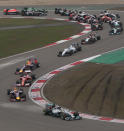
x: 62, y: 12
x: 115, y: 31
x: 96, y: 26
x: 16, y: 95
x: 33, y: 12
x: 90, y: 39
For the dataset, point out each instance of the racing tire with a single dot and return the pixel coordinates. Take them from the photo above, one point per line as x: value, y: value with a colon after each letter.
x: 100, y: 28
x: 17, y: 71
x: 5, y: 13
x: 37, y: 65
x: 23, y: 97
x: 59, y: 54
x: 82, y: 42
x: 8, y: 91
x: 93, y: 28
x: 79, y: 49
x: 18, y: 81
x: 70, y: 53
x: 33, y: 77
x: 23, y: 13
x: 98, y: 37
x: 76, y: 114
x: 117, y: 15
x: 67, y: 118
x: 28, y: 81
x: 62, y: 116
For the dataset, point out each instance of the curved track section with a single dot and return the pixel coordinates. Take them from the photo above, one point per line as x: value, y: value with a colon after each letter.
x: 37, y: 95
x: 28, y: 116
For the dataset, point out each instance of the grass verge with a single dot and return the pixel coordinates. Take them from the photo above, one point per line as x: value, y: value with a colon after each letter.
x: 20, y: 40
x: 6, y: 22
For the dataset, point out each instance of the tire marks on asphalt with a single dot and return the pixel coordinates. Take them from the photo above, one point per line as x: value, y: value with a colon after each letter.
x: 105, y: 94
x: 95, y: 88
x: 85, y: 85
x: 118, y: 97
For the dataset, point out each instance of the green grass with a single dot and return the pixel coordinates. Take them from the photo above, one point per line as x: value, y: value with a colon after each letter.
x: 111, y: 57
x: 20, y: 40
x: 6, y: 22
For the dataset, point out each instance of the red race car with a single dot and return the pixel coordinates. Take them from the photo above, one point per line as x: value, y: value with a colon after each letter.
x: 25, y: 80
x: 106, y: 18
x: 11, y: 12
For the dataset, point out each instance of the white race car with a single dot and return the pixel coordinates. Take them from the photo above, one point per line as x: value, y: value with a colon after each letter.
x: 73, y: 48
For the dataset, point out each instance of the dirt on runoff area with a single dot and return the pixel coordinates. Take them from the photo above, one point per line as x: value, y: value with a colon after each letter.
x: 91, y: 88
x: 57, y: 2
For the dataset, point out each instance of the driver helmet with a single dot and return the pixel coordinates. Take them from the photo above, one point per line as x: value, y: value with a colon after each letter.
x: 53, y: 105
x: 59, y: 107
x: 15, y: 89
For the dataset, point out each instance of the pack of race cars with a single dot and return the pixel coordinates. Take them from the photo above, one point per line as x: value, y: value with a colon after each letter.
x: 96, y: 21
x: 26, y: 11
x: 26, y: 78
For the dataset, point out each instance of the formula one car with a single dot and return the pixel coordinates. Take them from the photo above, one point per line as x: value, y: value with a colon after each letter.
x: 90, y: 39
x: 25, y: 80
x: 30, y: 65
x: 57, y: 111
x: 106, y: 16
x: 16, y: 95
x: 57, y: 10
x: 33, y: 12
x: 20, y: 71
x: 73, y: 48
x: 106, y: 19
x: 68, y: 116
x: 116, y: 23
x: 96, y: 26
x: 62, y: 12
x: 52, y: 110
x: 11, y: 12
x: 115, y: 31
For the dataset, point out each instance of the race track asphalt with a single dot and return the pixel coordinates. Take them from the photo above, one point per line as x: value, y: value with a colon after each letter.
x: 28, y: 116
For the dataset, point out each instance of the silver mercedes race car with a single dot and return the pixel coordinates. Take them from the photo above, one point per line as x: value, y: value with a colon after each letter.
x: 64, y: 114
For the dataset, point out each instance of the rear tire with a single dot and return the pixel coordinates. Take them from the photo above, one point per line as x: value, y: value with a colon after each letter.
x: 83, y: 42
x: 33, y: 77
x: 98, y: 37
x: 8, y: 91
x: 59, y: 54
